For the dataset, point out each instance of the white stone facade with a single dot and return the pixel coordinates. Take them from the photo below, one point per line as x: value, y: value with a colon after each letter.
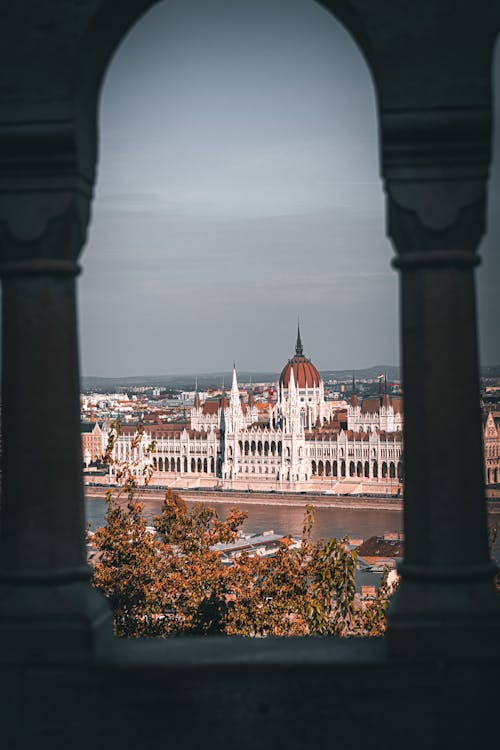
x: 302, y: 445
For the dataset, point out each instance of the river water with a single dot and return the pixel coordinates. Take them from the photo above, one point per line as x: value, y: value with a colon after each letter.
x: 283, y: 519
x: 287, y: 519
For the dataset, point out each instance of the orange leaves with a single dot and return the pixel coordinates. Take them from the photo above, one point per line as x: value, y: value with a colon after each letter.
x: 173, y: 582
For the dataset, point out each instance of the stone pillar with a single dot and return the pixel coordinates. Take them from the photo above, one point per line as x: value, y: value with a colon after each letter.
x: 49, y: 609
x: 445, y: 606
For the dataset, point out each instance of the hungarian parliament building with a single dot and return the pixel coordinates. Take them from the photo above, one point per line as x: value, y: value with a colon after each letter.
x: 300, y: 442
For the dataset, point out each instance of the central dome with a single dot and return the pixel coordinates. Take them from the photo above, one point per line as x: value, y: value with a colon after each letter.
x: 305, y: 374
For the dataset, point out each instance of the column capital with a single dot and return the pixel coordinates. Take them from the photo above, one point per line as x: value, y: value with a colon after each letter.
x: 435, y: 166
x: 45, y: 193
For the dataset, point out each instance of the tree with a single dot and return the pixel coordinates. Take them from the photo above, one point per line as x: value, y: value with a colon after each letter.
x: 168, y: 578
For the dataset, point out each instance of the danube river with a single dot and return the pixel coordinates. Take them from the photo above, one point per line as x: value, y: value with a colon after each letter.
x: 283, y: 519
x: 359, y: 523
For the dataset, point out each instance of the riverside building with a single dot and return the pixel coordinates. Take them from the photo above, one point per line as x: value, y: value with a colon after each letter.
x: 302, y: 442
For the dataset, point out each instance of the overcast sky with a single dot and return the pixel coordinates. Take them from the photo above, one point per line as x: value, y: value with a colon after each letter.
x: 238, y: 186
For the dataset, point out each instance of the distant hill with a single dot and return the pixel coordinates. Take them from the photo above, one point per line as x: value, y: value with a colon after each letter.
x: 215, y: 379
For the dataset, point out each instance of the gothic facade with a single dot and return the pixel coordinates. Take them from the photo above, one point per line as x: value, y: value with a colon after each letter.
x: 303, y: 442
x: 491, y: 438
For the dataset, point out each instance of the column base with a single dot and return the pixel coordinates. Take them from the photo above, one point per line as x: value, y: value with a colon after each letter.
x: 457, y: 621
x: 52, y: 621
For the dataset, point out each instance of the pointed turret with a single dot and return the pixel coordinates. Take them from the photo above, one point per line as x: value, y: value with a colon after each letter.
x: 299, y: 351
x: 223, y: 402
x: 235, y: 391
x: 354, y: 396
x: 196, y: 395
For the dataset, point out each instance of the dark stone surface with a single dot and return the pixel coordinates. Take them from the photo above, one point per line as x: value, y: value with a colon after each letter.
x: 431, y: 683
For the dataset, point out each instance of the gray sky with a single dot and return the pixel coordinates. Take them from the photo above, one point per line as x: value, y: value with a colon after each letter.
x: 238, y: 187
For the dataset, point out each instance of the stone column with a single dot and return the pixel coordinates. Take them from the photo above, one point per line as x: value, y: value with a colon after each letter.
x: 49, y: 610
x: 445, y: 606
x: 48, y: 607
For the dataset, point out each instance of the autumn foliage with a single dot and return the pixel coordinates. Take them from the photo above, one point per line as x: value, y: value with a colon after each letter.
x: 167, y: 579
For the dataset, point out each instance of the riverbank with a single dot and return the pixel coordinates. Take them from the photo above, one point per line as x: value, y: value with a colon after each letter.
x: 266, y: 498
x: 347, y: 502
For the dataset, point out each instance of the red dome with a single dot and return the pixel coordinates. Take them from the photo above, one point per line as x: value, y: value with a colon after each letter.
x: 305, y: 374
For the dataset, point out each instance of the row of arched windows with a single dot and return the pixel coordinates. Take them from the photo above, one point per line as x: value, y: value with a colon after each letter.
x: 200, y: 466
x: 260, y: 447
x: 357, y: 469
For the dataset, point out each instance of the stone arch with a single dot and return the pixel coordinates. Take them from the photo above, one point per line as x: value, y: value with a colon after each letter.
x: 392, y: 470
x: 266, y: 447
x: 178, y: 467
x: 252, y: 447
x: 384, y: 470
x: 313, y: 468
x: 160, y: 464
x: 321, y: 468
x: 328, y: 469
x: 247, y: 447
x: 199, y: 466
x: 273, y: 448
x: 205, y: 466
x: 342, y: 468
x: 172, y: 464
x: 413, y: 229
x: 335, y: 470
x: 375, y: 470
x: 367, y: 469
x: 359, y: 469
x: 352, y: 469
x: 193, y: 465
x: 212, y: 465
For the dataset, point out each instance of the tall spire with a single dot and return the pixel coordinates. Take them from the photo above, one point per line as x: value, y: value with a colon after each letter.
x: 353, y: 383
x: 235, y: 391
x: 196, y: 394
x: 299, y: 352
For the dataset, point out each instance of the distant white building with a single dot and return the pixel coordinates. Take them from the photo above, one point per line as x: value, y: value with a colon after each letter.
x: 303, y: 441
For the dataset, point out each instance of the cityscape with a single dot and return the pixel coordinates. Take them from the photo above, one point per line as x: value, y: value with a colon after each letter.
x: 299, y: 434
